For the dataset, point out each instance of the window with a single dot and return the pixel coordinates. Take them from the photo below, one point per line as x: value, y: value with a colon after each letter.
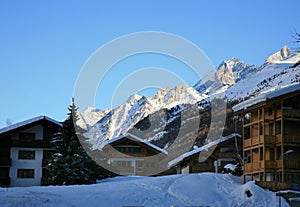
x: 247, y: 119
x: 271, y: 129
x: 26, y: 136
x: 247, y: 158
x: 278, y: 127
x: 26, y: 155
x: 130, y: 149
x: 261, y: 129
x: 246, y: 132
x: 25, y: 173
x: 270, y: 111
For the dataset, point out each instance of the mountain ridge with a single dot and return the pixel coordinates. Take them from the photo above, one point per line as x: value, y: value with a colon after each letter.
x: 239, y: 81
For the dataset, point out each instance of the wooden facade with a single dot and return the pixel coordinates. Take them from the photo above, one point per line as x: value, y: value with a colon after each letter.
x: 271, y: 140
x: 223, y: 151
x: 24, y: 150
x: 130, y: 155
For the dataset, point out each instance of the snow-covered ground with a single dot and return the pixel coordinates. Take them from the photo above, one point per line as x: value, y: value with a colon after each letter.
x: 205, y: 189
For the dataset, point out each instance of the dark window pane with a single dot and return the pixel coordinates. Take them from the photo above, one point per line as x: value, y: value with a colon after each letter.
x: 26, y: 155
x: 25, y: 173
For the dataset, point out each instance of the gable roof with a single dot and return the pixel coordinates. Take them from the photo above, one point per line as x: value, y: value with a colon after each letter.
x: 137, y: 139
x: 27, y: 122
x: 266, y: 96
x: 205, y: 147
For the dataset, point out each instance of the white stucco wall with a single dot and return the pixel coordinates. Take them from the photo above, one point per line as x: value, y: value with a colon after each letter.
x: 26, y: 164
x: 185, y: 170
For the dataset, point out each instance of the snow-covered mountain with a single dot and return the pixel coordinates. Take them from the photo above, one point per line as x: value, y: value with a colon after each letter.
x: 241, y: 80
x: 238, y: 80
x: 121, y: 119
x: 90, y: 117
x: 227, y: 74
x: 279, y: 56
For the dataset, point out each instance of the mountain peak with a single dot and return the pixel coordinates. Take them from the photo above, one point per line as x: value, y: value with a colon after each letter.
x: 133, y: 98
x: 228, y: 71
x: 279, y: 56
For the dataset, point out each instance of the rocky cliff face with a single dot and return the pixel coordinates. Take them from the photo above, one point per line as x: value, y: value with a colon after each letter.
x: 279, y: 56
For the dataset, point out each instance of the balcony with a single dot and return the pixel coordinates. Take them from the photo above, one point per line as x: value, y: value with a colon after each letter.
x: 288, y: 139
x: 291, y: 164
x: 291, y: 139
x: 267, y: 139
x: 247, y: 143
x: 248, y: 167
x: 272, y: 185
x: 268, y: 164
x: 259, y: 165
x: 292, y: 114
x: 252, y: 142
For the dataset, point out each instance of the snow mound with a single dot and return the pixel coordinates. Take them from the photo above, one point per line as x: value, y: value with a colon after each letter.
x: 205, y: 189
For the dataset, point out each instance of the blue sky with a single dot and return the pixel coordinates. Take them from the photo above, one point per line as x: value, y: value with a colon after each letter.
x: 44, y: 44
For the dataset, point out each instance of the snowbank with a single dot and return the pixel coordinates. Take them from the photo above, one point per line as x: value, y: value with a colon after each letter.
x: 205, y: 189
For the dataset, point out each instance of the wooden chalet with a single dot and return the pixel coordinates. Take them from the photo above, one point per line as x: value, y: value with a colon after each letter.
x: 271, y: 138
x: 24, y: 149
x: 131, y: 155
x: 214, y: 157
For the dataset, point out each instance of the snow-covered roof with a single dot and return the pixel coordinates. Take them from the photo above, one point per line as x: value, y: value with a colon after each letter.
x: 138, y: 139
x: 26, y: 122
x: 205, y: 147
x: 267, y: 96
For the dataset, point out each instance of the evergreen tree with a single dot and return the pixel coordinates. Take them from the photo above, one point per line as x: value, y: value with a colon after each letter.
x: 70, y: 164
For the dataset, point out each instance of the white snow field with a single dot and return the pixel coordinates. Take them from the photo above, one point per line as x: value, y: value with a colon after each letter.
x: 186, y: 190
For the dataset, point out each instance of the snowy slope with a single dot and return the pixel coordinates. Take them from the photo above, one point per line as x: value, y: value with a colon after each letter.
x: 205, y: 189
x: 270, y: 76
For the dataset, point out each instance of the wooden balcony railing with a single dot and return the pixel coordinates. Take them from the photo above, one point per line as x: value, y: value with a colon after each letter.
x: 247, y: 143
x: 291, y: 113
x: 278, y: 113
x: 272, y: 185
x: 269, y: 139
x: 291, y: 164
x: 248, y: 167
x: 268, y: 164
x: 278, y: 138
x: 255, y: 141
x: 256, y: 165
x: 291, y: 139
